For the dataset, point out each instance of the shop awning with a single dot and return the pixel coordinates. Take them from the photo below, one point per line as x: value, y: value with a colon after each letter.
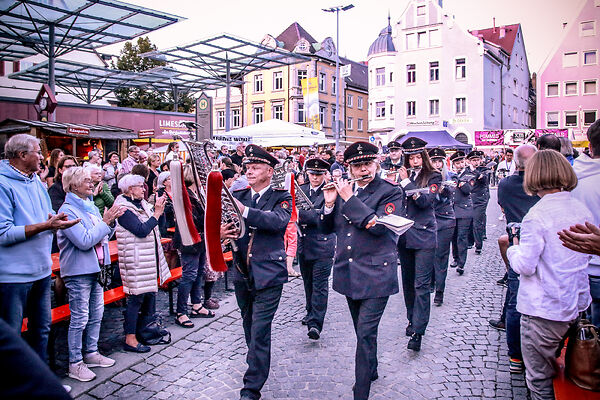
x: 84, y: 131
x: 437, y: 139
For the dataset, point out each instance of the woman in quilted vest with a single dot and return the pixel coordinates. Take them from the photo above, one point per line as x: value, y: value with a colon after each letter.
x: 141, y: 256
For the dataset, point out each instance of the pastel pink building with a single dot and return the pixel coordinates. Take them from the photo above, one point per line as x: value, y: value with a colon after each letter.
x: 567, y: 83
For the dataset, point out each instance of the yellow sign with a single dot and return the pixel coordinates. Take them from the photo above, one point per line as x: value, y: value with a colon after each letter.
x: 310, y: 91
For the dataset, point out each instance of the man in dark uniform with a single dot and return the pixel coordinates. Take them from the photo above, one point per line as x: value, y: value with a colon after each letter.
x: 260, y: 263
x: 463, y: 211
x: 480, y: 195
x: 393, y: 162
x: 315, y: 249
x: 366, y: 261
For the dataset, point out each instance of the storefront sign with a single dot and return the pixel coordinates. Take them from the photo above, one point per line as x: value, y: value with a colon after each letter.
x: 489, y: 138
x: 422, y: 123
x: 144, y: 133
x: 75, y: 130
x: 461, y: 121
x: 557, y: 132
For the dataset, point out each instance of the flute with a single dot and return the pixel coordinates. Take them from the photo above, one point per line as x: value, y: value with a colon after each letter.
x: 330, y: 185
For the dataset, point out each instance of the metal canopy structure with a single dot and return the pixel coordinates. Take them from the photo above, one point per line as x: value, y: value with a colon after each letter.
x: 223, y: 60
x: 13, y: 126
x: 56, y: 27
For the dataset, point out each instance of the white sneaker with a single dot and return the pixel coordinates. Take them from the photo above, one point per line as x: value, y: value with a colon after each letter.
x: 81, y: 372
x: 97, y: 360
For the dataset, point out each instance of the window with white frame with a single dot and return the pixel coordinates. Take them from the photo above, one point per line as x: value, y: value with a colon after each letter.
x: 235, y: 118
x: 322, y: 114
x: 461, y: 105
x: 278, y: 80
x: 571, y: 88
x: 493, y: 107
x: 434, y: 107
x: 590, y: 87
x: 552, y: 119
x: 589, y: 116
x: 380, y: 109
x: 411, y: 41
x: 359, y: 102
x: 349, y: 100
x: 349, y: 124
x: 422, y: 40
x: 411, y: 108
x: 220, y: 119
x: 391, y: 77
x: 302, y: 74
x: 278, y: 112
x: 421, y: 10
x: 522, y: 63
x: 258, y: 83
x: 494, y: 74
x: 333, y: 85
x: 434, y: 71
x: 570, y: 59
x: 590, y: 57
x: 258, y: 113
x: 515, y: 87
x: 301, y: 114
x: 359, y: 124
x: 333, y: 116
x: 379, y: 76
x: 435, y: 37
x: 392, y: 111
x: 587, y: 28
x: 322, y: 81
x: 552, y: 90
x: 515, y: 115
x: 461, y: 68
x: 411, y: 73
x: 570, y: 118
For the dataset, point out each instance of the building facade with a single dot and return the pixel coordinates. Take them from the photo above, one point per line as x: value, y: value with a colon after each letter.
x: 567, y: 83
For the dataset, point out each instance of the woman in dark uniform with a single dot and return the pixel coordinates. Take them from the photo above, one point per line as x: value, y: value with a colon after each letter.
x: 445, y: 220
x: 365, y: 268
x: 416, y: 247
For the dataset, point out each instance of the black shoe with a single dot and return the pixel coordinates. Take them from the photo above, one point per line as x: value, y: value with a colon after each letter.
x: 314, y: 333
x: 375, y: 376
x: 485, y: 238
x: 140, y: 348
x: 409, y: 330
x: 415, y: 342
x: 305, y: 320
x: 470, y: 246
x: 498, y: 324
x: 438, y: 300
x: 460, y: 270
x: 247, y: 397
x: 502, y: 282
x: 477, y: 251
x: 454, y: 264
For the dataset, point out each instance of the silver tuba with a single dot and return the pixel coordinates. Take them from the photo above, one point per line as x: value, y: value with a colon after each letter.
x: 278, y: 182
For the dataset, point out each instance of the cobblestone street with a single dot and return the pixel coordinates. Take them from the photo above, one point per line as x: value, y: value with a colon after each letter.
x: 462, y: 356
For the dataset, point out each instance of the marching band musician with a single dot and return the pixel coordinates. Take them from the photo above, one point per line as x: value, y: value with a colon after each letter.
x: 416, y: 247
x: 393, y: 162
x: 315, y: 249
x: 480, y: 195
x: 446, y: 221
x: 463, y: 211
x: 261, y: 263
x: 365, y: 268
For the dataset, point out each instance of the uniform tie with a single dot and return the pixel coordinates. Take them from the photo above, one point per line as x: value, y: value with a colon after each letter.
x: 359, y: 191
x: 254, y: 200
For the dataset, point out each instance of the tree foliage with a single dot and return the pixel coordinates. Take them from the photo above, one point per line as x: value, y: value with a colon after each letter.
x: 147, y: 98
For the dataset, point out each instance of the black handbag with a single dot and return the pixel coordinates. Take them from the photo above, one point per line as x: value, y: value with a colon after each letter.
x: 150, y: 331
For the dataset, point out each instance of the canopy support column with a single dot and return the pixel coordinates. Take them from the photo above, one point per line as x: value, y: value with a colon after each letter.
x: 51, y: 59
x: 175, y: 98
x: 227, y: 96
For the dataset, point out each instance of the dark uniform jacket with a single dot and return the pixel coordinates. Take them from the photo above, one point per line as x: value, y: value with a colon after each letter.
x: 366, y: 260
x: 262, y: 246
x: 463, y: 206
x: 481, y: 190
x: 387, y: 164
x: 423, y: 234
x: 444, y: 208
x: 313, y: 244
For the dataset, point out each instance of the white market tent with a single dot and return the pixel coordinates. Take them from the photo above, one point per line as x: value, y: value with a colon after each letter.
x: 272, y: 133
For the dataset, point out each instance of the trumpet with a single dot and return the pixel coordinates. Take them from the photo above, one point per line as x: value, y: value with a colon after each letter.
x: 331, y: 185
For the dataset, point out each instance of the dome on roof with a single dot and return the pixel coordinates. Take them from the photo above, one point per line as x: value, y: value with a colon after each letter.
x: 384, y: 42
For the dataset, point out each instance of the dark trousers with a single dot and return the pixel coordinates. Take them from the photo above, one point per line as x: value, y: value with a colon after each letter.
x: 595, y: 293
x: 315, y: 276
x: 33, y: 297
x: 417, y: 271
x: 513, y: 317
x: 460, y: 241
x: 139, y: 304
x: 442, y: 255
x: 479, y: 219
x: 192, y: 276
x: 366, y: 314
x: 258, y: 308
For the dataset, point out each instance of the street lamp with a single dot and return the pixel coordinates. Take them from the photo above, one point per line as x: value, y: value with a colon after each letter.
x: 337, y: 10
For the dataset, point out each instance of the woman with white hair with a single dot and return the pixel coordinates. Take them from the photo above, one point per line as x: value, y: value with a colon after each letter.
x: 83, y: 249
x: 141, y: 256
x: 103, y: 198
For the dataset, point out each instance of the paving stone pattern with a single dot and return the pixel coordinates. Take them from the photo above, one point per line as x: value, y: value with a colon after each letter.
x: 462, y: 357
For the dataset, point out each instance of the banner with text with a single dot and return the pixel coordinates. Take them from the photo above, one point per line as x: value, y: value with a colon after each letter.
x: 489, y: 138
x: 310, y: 91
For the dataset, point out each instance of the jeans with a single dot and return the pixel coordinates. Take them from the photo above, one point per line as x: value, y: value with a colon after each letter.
x: 595, y: 293
x: 417, y: 270
x: 513, y: 317
x: 366, y: 315
x: 144, y: 304
x: 191, y: 281
x: 315, y: 276
x: 86, y: 302
x: 35, y: 297
x: 442, y: 255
